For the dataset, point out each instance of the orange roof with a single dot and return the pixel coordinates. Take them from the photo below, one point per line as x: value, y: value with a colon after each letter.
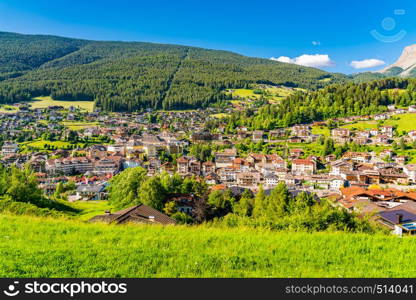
x: 238, y: 161
x: 218, y: 187
x: 389, y: 193
x: 351, y: 191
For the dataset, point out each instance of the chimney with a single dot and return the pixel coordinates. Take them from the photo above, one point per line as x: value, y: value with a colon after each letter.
x: 107, y: 212
x: 399, y: 218
x: 151, y: 218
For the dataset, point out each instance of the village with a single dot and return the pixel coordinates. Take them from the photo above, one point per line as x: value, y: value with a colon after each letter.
x: 89, y: 148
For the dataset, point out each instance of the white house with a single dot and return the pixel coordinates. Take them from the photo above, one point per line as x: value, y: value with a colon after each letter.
x: 303, y: 166
x: 9, y: 148
x: 410, y: 171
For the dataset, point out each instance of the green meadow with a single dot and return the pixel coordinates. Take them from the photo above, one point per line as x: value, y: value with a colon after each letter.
x: 42, y: 247
x: 361, y: 125
x: 8, y: 109
x: 322, y: 130
x: 272, y: 93
x: 42, y: 144
x: 73, y: 125
x: 44, y: 102
x: 89, y: 209
x: 405, y: 122
x: 220, y: 115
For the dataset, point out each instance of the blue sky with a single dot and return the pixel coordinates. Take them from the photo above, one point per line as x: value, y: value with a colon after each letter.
x: 327, y: 34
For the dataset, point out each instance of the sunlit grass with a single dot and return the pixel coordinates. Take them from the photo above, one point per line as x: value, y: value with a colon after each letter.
x: 8, y: 109
x: 79, y: 125
x: 405, y: 122
x: 220, y: 115
x: 42, y: 144
x: 361, y: 125
x: 44, y: 102
x: 321, y: 130
x: 89, y: 209
x: 39, y: 247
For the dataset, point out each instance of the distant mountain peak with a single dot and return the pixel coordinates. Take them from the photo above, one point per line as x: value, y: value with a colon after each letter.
x: 405, y: 66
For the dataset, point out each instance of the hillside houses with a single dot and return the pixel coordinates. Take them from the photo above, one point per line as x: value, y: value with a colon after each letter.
x: 9, y: 148
x: 371, y: 201
x: 341, y: 135
x: 225, y: 158
x: 303, y: 166
x: 363, y: 158
x: 97, y: 165
x: 362, y: 170
x: 410, y: 171
x: 188, y: 165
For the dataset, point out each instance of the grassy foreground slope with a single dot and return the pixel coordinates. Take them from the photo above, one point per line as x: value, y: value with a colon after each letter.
x: 37, y: 247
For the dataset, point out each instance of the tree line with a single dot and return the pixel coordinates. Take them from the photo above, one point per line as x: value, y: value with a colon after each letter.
x: 338, y: 100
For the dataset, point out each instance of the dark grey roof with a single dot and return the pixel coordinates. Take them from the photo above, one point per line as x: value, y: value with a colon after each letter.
x: 137, y: 214
x: 237, y: 190
x: 98, y: 148
x: 392, y: 216
x: 90, y: 188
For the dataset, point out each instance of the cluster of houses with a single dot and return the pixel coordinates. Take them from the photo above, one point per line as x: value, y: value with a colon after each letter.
x: 230, y: 169
x: 142, y: 139
x: 392, y: 208
x: 352, y: 169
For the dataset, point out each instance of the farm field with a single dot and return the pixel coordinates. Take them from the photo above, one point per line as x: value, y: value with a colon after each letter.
x: 78, y: 125
x: 43, y: 102
x: 271, y: 93
x: 220, y: 115
x: 323, y: 130
x: 325, y: 80
x: 244, y: 93
x: 361, y: 125
x: 40, y: 145
x: 8, y: 109
x: 404, y: 122
x: 67, y: 248
x: 308, y: 148
x: 395, y: 91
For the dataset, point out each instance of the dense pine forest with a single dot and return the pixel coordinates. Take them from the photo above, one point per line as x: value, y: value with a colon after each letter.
x: 338, y: 100
x: 127, y: 76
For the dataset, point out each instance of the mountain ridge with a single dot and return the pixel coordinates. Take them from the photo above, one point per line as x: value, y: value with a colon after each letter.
x: 127, y: 76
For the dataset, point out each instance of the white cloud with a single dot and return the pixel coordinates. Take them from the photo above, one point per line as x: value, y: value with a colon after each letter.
x: 366, y: 63
x: 284, y: 59
x: 316, y: 43
x: 308, y: 60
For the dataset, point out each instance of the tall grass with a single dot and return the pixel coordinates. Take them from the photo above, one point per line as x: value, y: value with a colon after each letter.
x: 42, y: 247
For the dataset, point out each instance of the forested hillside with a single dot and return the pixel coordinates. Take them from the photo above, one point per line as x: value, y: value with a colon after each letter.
x: 338, y: 100
x: 126, y: 76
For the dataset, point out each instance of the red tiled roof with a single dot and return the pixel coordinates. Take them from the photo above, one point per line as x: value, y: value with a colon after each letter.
x: 182, y: 160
